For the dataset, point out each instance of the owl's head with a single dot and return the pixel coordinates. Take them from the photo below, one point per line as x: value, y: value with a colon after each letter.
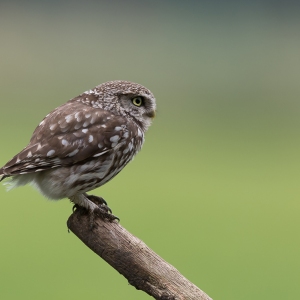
x: 126, y: 98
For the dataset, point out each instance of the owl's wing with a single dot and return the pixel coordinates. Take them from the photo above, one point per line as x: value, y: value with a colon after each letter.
x: 72, y: 133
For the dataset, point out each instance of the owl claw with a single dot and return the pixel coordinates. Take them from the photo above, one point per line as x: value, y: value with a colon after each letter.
x: 100, y: 202
x: 99, y: 209
x: 102, y: 212
x: 75, y: 206
x: 105, y: 213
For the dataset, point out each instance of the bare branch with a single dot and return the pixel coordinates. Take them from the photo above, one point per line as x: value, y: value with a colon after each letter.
x: 131, y: 257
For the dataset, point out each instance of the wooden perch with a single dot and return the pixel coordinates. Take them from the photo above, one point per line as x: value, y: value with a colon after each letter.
x: 131, y: 257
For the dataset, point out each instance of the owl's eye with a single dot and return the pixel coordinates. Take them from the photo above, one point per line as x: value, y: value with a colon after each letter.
x: 137, y: 101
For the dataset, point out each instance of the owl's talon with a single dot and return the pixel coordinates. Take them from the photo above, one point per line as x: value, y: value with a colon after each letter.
x: 102, y: 213
x: 75, y: 207
x: 97, y: 200
x: 107, y: 208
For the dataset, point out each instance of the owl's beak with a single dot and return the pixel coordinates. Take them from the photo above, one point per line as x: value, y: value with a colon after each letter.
x: 151, y: 114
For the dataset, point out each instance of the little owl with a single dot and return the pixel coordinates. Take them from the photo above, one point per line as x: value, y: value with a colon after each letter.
x: 84, y: 143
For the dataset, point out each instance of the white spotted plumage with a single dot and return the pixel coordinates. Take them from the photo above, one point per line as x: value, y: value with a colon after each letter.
x: 84, y: 143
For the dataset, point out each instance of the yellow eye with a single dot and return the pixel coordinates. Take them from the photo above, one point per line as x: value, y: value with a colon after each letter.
x: 137, y: 101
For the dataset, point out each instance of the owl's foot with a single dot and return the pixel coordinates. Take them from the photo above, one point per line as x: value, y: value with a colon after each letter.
x: 102, y: 209
x: 95, y: 207
x: 102, y: 212
x: 99, y: 201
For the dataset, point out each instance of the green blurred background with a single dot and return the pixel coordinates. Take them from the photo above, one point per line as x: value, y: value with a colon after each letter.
x: 215, y: 190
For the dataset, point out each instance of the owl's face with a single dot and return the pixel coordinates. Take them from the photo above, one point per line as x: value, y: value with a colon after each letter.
x: 139, y: 106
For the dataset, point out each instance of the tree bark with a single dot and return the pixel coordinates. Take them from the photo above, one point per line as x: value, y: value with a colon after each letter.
x: 131, y: 257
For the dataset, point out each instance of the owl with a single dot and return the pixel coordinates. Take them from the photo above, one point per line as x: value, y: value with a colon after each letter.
x: 84, y: 143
